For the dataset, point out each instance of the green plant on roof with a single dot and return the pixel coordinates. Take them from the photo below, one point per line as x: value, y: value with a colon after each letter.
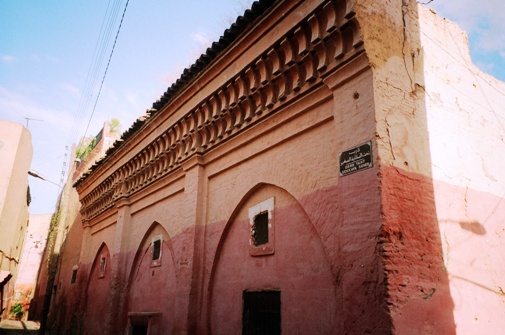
x: 84, y: 149
x: 17, y: 310
x: 115, y: 126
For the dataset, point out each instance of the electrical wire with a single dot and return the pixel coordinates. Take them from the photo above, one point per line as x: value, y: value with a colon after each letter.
x: 106, y: 68
x: 98, y: 58
x: 96, y: 64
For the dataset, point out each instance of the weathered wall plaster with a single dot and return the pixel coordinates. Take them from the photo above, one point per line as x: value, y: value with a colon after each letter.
x: 466, y: 124
x: 267, y: 122
x: 16, y: 153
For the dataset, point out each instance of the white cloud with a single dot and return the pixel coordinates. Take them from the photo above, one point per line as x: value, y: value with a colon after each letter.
x: 202, y: 39
x: 48, y: 128
x: 131, y: 97
x: 484, y: 21
x: 8, y: 58
x: 71, y: 89
x: 170, y: 78
x: 15, y: 107
x: 203, y: 42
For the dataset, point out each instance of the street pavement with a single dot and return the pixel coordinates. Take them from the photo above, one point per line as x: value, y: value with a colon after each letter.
x: 12, y: 327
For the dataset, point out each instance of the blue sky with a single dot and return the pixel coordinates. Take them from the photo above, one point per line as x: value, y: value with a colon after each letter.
x: 47, y: 48
x: 484, y: 22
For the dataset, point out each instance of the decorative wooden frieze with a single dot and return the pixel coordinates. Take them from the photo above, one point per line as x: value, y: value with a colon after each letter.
x: 297, y: 60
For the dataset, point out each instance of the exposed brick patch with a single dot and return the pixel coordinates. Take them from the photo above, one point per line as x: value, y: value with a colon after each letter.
x: 418, y: 290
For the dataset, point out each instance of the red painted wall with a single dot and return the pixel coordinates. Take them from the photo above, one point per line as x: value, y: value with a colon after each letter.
x: 355, y: 254
x: 152, y: 286
x: 418, y: 286
x: 299, y: 268
x: 97, y: 293
x: 68, y: 298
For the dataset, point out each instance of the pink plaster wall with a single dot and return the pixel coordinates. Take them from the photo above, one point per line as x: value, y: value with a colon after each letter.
x: 152, y: 287
x: 465, y: 109
x: 69, y: 298
x: 418, y: 284
x: 299, y: 268
x: 334, y: 221
x: 473, y: 232
x: 97, y: 309
x: 356, y: 254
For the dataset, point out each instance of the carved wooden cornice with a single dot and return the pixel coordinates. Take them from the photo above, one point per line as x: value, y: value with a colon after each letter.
x: 322, y: 40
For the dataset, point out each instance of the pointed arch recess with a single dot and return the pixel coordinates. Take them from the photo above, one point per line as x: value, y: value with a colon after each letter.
x: 152, y: 287
x: 240, y: 205
x: 103, y: 249
x: 97, y: 291
x: 142, y: 251
x: 299, y: 267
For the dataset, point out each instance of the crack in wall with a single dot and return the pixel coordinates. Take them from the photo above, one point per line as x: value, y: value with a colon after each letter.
x: 389, y: 140
x: 404, y: 42
x: 465, y: 198
x: 447, y: 250
x: 13, y: 259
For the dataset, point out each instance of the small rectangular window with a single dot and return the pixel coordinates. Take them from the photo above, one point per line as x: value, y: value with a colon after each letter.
x: 156, y: 250
x: 261, y: 313
x: 260, y: 229
x: 74, y: 276
x: 103, y: 266
x: 261, y: 220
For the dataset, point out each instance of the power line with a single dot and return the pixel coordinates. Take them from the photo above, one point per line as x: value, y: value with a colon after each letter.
x: 97, y: 59
x: 101, y: 46
x: 107, y: 67
x: 99, y: 52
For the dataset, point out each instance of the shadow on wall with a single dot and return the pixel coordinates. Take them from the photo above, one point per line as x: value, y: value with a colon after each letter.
x: 476, y: 228
x: 473, y: 226
x: 420, y: 299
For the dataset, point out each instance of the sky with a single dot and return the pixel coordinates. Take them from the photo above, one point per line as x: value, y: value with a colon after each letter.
x: 53, y: 55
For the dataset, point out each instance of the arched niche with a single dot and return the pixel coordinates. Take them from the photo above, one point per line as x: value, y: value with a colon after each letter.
x: 152, y: 283
x: 294, y: 266
x: 97, y: 291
